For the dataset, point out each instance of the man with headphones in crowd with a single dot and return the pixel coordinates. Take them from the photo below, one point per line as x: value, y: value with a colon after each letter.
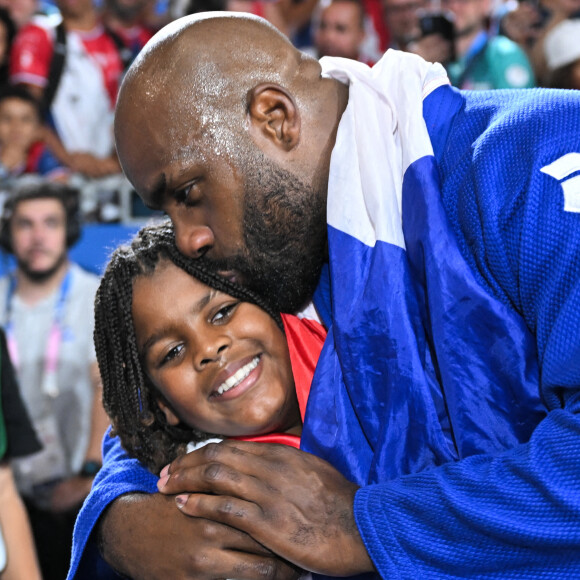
x: 46, y: 308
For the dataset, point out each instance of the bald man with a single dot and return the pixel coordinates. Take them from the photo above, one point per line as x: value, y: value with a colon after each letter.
x: 438, y: 236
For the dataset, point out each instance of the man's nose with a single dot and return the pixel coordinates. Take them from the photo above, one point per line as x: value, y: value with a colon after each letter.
x: 38, y: 233
x: 194, y: 241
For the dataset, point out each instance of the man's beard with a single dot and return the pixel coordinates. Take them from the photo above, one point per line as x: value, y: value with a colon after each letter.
x: 284, y: 232
x: 40, y: 276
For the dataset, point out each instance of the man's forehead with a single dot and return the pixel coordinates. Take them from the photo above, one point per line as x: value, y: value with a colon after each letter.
x: 39, y: 207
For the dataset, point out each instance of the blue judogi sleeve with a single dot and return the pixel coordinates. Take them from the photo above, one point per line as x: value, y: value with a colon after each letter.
x: 119, y: 475
x: 509, y: 164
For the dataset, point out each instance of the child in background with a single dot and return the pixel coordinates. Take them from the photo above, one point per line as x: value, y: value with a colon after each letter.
x: 21, y: 148
x: 185, y: 354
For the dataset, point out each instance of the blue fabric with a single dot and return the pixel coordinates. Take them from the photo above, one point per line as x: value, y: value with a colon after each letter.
x: 511, y: 511
x: 448, y: 384
x: 119, y: 475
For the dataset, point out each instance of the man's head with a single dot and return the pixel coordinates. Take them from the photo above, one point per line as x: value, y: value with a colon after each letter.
x: 20, y: 119
x: 39, y: 223
x: 228, y: 128
x: 402, y: 18
x: 340, y: 29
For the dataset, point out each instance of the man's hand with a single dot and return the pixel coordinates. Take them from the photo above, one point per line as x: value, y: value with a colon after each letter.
x: 292, y: 502
x: 144, y: 536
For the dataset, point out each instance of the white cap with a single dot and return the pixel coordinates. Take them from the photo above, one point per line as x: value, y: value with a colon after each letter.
x: 562, y: 44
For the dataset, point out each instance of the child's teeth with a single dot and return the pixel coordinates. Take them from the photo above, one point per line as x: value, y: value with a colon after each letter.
x: 239, y: 376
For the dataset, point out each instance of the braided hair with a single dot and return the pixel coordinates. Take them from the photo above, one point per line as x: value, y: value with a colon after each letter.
x: 129, y: 397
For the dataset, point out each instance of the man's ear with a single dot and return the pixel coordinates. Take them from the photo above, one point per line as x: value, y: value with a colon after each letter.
x: 274, y: 117
x: 172, y: 418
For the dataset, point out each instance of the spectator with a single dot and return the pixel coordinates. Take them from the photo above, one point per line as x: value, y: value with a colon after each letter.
x: 80, y: 94
x: 562, y: 49
x: 17, y: 438
x: 21, y: 149
x: 484, y: 61
x: 528, y: 23
x: 340, y: 30
x: 128, y: 20
x: 403, y: 19
x: 46, y: 306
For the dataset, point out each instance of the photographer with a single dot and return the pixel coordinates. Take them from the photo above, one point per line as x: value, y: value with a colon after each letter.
x: 413, y: 29
x: 528, y: 24
x: 484, y: 61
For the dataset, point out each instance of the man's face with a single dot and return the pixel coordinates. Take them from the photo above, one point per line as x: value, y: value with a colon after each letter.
x: 402, y: 19
x: 38, y: 237
x: 231, y: 206
x: 340, y: 31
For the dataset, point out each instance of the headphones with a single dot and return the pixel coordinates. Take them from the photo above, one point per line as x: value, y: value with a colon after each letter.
x: 31, y: 189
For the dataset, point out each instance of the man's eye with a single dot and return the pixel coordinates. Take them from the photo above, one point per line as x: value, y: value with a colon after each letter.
x: 224, y: 313
x: 188, y: 195
x: 171, y: 355
x: 181, y: 195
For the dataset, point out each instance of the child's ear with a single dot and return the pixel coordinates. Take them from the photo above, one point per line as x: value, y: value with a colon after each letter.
x: 172, y: 418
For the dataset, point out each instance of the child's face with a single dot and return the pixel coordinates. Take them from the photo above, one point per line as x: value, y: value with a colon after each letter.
x: 19, y: 124
x: 221, y: 364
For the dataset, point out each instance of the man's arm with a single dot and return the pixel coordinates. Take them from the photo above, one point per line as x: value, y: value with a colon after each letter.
x: 143, y: 536
x: 294, y: 503
x: 479, y: 517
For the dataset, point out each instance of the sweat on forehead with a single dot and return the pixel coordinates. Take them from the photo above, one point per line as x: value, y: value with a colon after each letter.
x: 199, y: 49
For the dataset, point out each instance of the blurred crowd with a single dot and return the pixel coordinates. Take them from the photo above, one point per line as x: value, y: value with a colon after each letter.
x: 61, y: 64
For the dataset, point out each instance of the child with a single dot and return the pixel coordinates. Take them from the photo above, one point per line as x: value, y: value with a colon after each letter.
x: 21, y: 149
x: 185, y: 354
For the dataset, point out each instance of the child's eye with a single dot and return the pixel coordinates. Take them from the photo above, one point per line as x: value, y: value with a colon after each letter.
x: 224, y: 313
x: 172, y: 354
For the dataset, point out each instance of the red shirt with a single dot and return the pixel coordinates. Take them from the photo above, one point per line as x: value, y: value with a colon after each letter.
x: 32, y: 54
x: 305, y: 340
